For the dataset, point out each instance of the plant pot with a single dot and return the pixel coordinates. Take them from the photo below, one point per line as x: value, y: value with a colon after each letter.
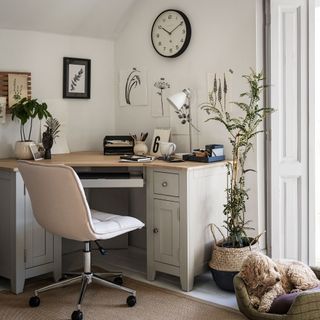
x: 47, y: 154
x: 22, y: 150
x: 223, y: 279
x: 226, y: 262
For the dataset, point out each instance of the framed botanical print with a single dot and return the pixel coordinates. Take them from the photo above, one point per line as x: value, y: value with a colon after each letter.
x: 133, y: 87
x: 17, y: 87
x: 76, y: 78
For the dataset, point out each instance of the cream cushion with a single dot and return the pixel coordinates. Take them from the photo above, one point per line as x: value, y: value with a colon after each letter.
x: 107, y: 225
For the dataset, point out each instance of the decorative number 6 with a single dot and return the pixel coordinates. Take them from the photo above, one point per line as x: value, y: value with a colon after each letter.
x: 156, y: 144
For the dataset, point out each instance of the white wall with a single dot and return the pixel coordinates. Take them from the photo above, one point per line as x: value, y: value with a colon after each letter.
x: 85, y: 122
x: 224, y: 36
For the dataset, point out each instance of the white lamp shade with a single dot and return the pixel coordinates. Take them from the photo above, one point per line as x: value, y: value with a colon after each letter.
x: 179, y: 99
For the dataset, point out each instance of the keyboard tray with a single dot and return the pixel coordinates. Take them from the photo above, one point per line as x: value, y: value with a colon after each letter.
x: 111, y: 179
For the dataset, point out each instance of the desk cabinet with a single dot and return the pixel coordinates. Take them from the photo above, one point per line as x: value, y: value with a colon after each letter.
x: 26, y: 249
x: 182, y: 200
x: 180, y: 206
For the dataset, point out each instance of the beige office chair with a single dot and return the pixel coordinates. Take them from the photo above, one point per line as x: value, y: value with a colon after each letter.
x: 59, y: 205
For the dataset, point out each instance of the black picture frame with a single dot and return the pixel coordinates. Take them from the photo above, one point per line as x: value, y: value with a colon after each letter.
x: 76, y: 78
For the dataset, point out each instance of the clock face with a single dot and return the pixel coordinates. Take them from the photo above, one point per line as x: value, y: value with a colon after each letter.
x: 171, y: 33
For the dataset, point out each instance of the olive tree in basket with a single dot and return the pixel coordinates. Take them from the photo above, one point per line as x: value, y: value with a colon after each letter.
x: 242, y: 130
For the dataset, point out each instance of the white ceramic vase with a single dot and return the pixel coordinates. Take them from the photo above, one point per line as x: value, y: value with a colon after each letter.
x: 22, y: 150
x: 140, y: 148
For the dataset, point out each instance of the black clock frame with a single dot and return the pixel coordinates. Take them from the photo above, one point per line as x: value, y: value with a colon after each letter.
x: 188, y: 33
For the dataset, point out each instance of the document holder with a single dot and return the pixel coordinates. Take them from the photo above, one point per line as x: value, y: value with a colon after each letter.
x: 118, y: 145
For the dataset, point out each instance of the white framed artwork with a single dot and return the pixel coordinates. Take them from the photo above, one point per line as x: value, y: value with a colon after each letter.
x: 37, y: 151
x: 159, y: 135
x: 133, y: 87
x: 159, y: 103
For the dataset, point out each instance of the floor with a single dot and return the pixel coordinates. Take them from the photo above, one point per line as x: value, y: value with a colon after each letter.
x: 132, y: 262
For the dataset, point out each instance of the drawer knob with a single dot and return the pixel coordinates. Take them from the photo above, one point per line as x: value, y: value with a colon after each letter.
x: 155, y: 230
x: 164, y: 183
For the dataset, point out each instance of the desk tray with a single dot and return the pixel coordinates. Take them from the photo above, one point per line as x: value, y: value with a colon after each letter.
x: 190, y: 157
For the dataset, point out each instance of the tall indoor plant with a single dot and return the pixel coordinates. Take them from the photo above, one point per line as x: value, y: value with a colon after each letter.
x: 242, y: 130
x: 26, y: 110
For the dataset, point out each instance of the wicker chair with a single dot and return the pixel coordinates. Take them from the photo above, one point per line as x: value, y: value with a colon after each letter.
x: 305, y: 307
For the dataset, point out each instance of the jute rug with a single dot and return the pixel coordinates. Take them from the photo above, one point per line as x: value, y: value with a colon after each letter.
x: 101, y: 303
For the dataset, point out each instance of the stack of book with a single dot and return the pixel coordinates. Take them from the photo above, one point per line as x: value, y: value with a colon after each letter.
x: 134, y: 158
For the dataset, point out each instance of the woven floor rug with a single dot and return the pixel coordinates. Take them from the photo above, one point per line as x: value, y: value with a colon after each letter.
x: 101, y: 303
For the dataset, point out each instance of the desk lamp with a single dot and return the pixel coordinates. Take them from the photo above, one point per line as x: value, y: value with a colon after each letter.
x: 181, y: 102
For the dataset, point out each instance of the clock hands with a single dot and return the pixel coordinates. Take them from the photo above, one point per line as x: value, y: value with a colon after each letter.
x: 168, y: 32
x: 180, y: 24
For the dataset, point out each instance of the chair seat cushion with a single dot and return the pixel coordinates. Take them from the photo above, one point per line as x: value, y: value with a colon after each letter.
x: 282, y: 304
x: 107, y: 225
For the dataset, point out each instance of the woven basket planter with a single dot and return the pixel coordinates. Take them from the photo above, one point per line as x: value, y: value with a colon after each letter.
x: 230, y: 259
x: 226, y: 262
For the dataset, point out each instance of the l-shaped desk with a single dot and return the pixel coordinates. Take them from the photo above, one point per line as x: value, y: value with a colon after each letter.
x: 182, y: 200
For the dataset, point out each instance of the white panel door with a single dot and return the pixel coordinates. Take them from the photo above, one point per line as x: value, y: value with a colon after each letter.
x: 289, y: 130
x: 166, y: 232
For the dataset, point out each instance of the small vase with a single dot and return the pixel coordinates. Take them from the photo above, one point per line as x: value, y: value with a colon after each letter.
x: 22, y: 150
x: 140, y: 148
x: 47, y: 154
x: 47, y: 142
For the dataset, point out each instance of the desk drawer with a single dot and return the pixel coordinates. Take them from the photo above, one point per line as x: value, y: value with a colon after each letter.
x: 166, y: 183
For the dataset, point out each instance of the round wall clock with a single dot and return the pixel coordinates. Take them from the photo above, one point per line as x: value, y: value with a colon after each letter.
x: 171, y: 33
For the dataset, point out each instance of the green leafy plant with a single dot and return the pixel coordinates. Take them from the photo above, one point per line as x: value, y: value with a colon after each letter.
x: 28, y: 109
x: 242, y: 130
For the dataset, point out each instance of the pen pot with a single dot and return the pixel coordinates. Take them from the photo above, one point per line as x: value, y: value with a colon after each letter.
x: 140, y: 148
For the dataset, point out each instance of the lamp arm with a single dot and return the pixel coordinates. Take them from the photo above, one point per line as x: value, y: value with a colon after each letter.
x: 194, y: 127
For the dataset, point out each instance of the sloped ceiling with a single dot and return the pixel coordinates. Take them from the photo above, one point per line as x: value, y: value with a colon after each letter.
x: 88, y: 18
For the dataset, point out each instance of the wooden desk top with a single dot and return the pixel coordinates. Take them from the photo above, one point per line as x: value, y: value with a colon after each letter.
x: 97, y: 159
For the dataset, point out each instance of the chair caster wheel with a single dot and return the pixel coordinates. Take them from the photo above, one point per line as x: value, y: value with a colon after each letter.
x: 131, y: 301
x: 77, y: 315
x: 118, y: 281
x: 34, y: 302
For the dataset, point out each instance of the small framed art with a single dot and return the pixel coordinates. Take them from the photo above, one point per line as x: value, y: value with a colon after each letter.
x: 37, y: 151
x: 76, y: 78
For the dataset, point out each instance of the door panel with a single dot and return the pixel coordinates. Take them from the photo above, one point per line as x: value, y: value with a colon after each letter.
x: 166, y: 232
x: 39, y: 242
x: 289, y: 130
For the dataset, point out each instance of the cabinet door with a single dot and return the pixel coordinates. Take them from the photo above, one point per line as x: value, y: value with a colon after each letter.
x: 39, y: 242
x: 166, y: 232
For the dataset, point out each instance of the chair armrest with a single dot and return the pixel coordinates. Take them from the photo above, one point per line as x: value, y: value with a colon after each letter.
x: 316, y: 270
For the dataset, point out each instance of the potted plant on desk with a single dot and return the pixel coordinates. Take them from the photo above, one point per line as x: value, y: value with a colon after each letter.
x: 27, y: 109
x: 48, y: 137
x: 228, y: 253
